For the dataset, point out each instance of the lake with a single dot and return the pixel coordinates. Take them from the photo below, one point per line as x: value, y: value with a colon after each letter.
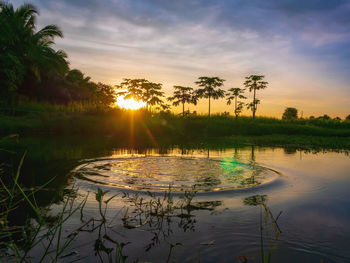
x: 175, y: 204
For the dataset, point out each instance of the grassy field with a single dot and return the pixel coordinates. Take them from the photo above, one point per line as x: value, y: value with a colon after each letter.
x: 144, y: 128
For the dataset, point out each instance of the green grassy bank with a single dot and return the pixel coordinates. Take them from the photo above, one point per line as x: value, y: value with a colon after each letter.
x: 144, y: 128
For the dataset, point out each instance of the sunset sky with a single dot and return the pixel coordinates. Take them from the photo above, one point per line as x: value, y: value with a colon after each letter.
x: 302, y: 47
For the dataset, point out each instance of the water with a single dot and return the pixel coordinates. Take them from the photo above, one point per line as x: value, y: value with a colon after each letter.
x: 180, y: 173
x: 232, y: 192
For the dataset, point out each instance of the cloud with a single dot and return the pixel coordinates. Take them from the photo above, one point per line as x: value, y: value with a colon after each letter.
x: 301, y: 46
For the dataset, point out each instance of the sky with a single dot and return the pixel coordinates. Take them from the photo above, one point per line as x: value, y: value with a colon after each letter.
x: 301, y: 46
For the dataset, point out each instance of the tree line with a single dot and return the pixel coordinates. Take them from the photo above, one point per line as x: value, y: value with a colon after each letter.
x: 292, y: 113
x: 209, y: 88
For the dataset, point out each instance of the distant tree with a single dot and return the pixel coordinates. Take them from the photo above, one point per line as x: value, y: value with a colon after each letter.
x: 253, y: 105
x: 347, y: 118
x: 104, y: 94
x: 77, y: 77
x: 337, y: 118
x: 290, y: 113
x: 142, y: 89
x: 210, y: 89
x: 80, y: 87
x: 312, y: 117
x: 324, y: 117
x: 131, y: 88
x: 233, y: 95
x: 254, y: 83
x: 183, y: 95
x: 152, y: 94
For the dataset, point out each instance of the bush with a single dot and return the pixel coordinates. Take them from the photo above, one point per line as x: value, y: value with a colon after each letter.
x: 290, y: 113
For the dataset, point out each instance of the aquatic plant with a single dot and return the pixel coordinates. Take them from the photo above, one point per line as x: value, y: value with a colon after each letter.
x: 269, y: 229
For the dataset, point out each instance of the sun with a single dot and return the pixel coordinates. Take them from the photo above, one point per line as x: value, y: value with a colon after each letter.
x: 129, y: 104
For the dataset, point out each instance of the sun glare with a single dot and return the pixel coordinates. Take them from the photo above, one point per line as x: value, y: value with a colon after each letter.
x: 130, y: 104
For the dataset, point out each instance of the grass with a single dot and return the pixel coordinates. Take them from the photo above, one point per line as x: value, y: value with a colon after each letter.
x: 130, y: 128
x: 43, y: 231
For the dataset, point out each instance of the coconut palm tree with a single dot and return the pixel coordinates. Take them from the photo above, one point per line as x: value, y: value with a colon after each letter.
x: 24, y: 47
x: 183, y: 95
x: 210, y: 89
x: 233, y: 95
x: 254, y: 83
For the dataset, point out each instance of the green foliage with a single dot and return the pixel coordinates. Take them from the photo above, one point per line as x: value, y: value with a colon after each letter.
x: 152, y: 130
x: 27, y: 52
x: 347, y: 118
x: 210, y: 89
x: 290, y: 113
x: 30, y: 66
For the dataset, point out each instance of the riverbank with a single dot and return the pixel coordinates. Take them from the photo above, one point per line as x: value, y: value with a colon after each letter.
x: 143, y: 129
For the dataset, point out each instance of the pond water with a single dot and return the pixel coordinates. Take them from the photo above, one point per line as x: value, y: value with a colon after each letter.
x: 180, y: 173
x: 226, y: 205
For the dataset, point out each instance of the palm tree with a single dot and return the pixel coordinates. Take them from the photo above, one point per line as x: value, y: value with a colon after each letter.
x: 235, y: 94
x: 254, y: 83
x: 183, y: 95
x: 24, y: 47
x: 210, y: 89
x: 81, y: 88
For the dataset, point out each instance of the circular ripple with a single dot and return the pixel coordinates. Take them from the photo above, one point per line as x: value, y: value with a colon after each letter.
x: 179, y: 173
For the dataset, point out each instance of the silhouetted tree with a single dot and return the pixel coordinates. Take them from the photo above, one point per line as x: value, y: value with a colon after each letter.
x: 77, y: 77
x: 183, y: 95
x: 131, y: 88
x: 254, y: 83
x: 142, y: 89
x: 290, y: 113
x: 210, y: 88
x: 30, y: 66
x: 235, y: 94
x: 347, y: 118
x: 253, y: 106
x: 152, y: 94
x: 337, y: 118
x: 26, y: 54
x: 104, y: 94
x: 324, y: 117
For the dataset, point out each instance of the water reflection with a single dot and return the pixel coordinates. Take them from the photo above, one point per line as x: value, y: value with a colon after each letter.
x: 157, y: 172
x: 313, y: 198
x: 269, y: 228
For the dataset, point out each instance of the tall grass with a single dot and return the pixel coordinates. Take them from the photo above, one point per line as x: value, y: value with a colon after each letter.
x: 76, y: 118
